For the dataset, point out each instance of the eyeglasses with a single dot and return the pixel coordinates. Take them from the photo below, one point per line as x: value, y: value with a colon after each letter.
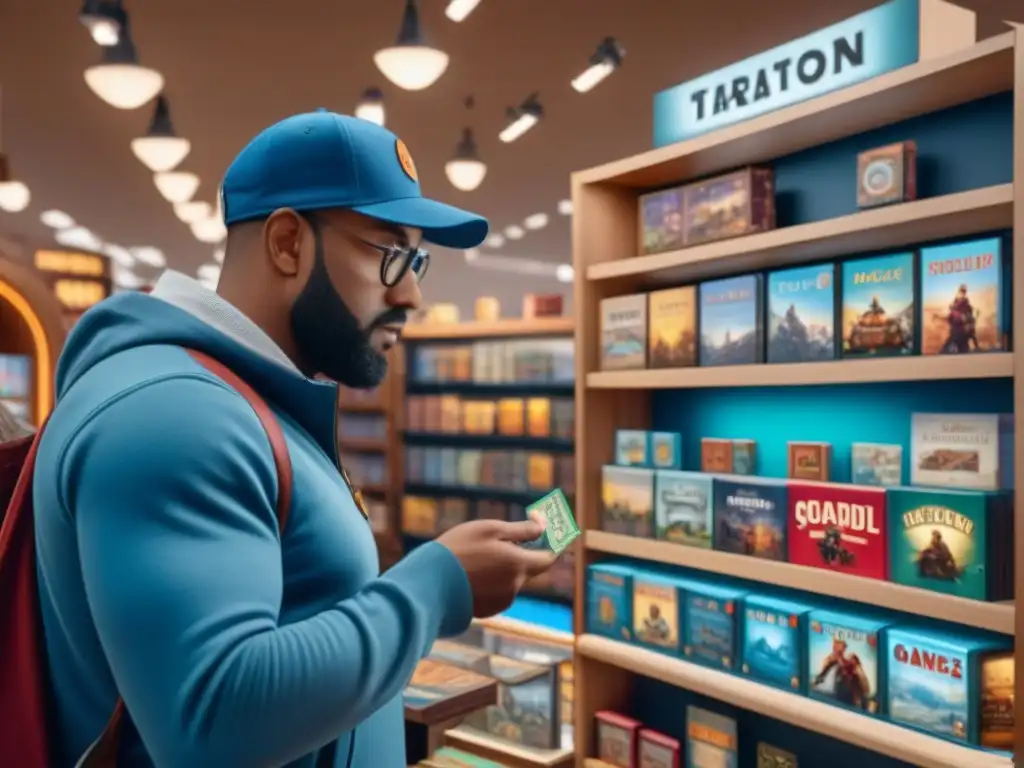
x: 397, y: 260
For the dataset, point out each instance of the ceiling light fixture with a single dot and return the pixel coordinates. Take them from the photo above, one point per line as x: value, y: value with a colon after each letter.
x: 606, y: 59
x: 80, y: 238
x: 564, y: 273
x: 371, y: 106
x: 565, y: 207
x: 55, y: 219
x: 176, y: 186
x: 14, y: 194
x: 123, y: 277
x: 471, y: 254
x: 536, y: 221
x: 193, y: 211
x: 118, y: 254
x: 210, y: 230
x: 150, y: 256
x: 104, y: 19
x: 514, y: 233
x: 410, y: 63
x: 458, y: 10
x: 495, y: 241
x: 209, y: 275
x: 521, y: 119
x: 466, y: 171
x: 119, y: 79
x: 161, y: 149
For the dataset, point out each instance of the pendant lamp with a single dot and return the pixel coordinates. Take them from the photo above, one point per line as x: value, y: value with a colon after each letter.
x: 410, y: 63
x: 371, y: 106
x: 466, y: 171
x: 119, y: 79
x: 14, y: 194
x: 161, y: 149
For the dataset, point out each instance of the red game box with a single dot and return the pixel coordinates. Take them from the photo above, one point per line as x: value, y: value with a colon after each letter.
x: 839, y: 528
x: 617, y: 738
x: 657, y: 750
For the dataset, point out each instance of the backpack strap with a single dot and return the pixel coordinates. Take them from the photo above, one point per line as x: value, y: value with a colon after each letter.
x: 103, y: 752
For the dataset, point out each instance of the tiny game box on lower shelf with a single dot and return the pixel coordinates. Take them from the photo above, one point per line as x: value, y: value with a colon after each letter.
x: 610, y: 600
x: 772, y: 649
x: 711, y: 739
x: 845, y: 660
x: 710, y: 624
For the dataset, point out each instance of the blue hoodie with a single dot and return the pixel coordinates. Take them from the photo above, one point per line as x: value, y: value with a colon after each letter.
x: 162, y: 573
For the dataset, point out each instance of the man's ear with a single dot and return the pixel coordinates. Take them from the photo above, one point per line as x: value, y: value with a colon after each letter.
x: 283, y: 232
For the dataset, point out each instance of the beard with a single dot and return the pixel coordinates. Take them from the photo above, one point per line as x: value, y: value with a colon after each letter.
x: 330, y: 339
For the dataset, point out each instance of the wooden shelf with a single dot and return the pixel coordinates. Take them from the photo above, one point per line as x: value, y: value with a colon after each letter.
x: 475, y: 742
x: 919, y: 89
x: 526, y: 630
x: 540, y: 326
x: 957, y: 215
x: 996, y: 365
x: 362, y: 445
x: 837, y: 723
x: 369, y: 406
x: 997, y: 617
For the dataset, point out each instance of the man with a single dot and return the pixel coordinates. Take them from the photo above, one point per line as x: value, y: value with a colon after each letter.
x: 163, y: 577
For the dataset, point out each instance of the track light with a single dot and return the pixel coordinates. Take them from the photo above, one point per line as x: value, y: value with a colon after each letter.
x: 104, y: 19
x: 14, y: 194
x: 371, y: 106
x: 605, y: 60
x: 410, y: 63
x: 522, y: 119
x: 176, y: 186
x: 119, y: 79
x: 161, y: 149
x: 458, y: 10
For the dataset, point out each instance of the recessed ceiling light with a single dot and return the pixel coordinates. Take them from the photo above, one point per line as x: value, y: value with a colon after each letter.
x: 536, y: 221
x: 514, y: 233
x: 193, y: 211
x: 150, y: 256
x: 565, y: 207
x: 78, y: 237
x: 495, y: 241
x: 565, y: 273
x: 119, y: 255
x: 56, y: 219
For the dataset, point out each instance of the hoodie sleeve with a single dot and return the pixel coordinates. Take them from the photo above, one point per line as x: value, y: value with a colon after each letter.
x: 172, y: 489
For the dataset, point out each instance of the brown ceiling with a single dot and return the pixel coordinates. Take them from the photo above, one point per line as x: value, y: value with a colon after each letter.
x: 234, y: 67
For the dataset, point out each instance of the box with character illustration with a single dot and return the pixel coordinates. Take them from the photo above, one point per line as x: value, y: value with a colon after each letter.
x: 610, y: 600
x: 844, y: 662
x: 656, y: 611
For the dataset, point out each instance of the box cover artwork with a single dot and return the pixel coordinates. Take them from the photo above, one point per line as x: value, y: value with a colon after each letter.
x: 802, y: 314
x: 624, y: 332
x: 962, y: 298
x: 730, y: 205
x: 527, y: 708
x: 683, y: 510
x: 879, y: 306
x: 731, y: 332
x: 656, y: 750
x: 843, y: 662
x: 438, y: 692
x: 711, y: 739
x: 970, y: 450
x: 997, y: 697
x: 610, y: 601
x: 750, y: 517
x: 656, y: 612
x: 14, y: 376
x: 772, y: 650
x: 839, y: 527
x: 672, y: 329
x: 710, y: 624
x: 662, y: 215
x: 876, y: 464
x: 666, y: 450
x: 769, y: 756
x: 887, y: 174
x: 627, y: 494
x: 616, y: 738
x: 632, y: 448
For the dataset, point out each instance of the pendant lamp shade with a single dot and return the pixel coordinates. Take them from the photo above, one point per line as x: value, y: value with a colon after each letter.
x: 466, y: 171
x: 14, y: 194
x: 193, y: 211
x: 410, y: 63
x: 210, y: 230
x: 371, y: 106
x: 119, y: 79
x: 161, y: 149
x: 176, y: 186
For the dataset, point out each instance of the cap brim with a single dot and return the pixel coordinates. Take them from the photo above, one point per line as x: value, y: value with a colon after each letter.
x: 441, y: 224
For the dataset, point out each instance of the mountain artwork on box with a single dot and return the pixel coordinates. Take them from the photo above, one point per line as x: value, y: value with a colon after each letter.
x: 801, y: 314
x: 731, y: 332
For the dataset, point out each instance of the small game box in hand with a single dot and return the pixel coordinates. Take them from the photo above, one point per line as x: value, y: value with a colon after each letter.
x: 560, y: 529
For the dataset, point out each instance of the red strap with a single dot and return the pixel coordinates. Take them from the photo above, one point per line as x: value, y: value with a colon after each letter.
x: 103, y: 753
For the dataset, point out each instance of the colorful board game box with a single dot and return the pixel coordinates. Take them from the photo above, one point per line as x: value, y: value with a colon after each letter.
x: 750, y: 516
x: 962, y: 304
x: 876, y: 464
x: 934, y: 680
x: 744, y: 457
x: 666, y: 450
x: 887, y: 175
x: 839, y: 527
x: 809, y: 461
x: 627, y: 494
x: 967, y: 450
x: 657, y: 750
x: 672, y: 327
x: 662, y: 216
x: 955, y: 542
x: 656, y: 611
x: 683, y: 507
x: 879, y: 306
x: 844, y: 666
x: 711, y: 739
x: 610, y: 600
x: 632, y: 448
x: 731, y: 332
x: 617, y: 739
x: 709, y: 624
x: 770, y: 756
x: 997, y: 701
x: 624, y: 332
x: 772, y: 649
x: 716, y: 455
x: 526, y: 711
x: 802, y: 314
x: 730, y: 205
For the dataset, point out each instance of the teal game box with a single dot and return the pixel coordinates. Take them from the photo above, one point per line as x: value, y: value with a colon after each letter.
x: 956, y: 542
x: 772, y: 646
x: 959, y: 687
x: 609, y: 600
x: 846, y: 660
x: 710, y: 626
x: 684, y: 507
x: 657, y: 606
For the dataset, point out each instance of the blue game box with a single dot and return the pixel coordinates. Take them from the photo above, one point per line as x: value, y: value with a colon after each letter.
x: 772, y: 647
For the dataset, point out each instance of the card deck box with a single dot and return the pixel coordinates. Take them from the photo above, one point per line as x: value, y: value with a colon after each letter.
x: 810, y: 461
x: 750, y: 516
x: 627, y: 495
x: 610, y: 600
x: 731, y: 205
x: 657, y: 606
x: 617, y: 739
x: 709, y: 624
x: 728, y: 457
x: 684, y: 507
x: 846, y: 659
x: 632, y: 448
x: 969, y: 451
x: 656, y: 750
x: 711, y: 739
x: 773, y: 648
x: 934, y: 683
x: 887, y: 175
x: 624, y: 332
x: 527, y: 710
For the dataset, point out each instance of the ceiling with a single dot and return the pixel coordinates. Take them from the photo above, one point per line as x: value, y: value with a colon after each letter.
x: 230, y: 72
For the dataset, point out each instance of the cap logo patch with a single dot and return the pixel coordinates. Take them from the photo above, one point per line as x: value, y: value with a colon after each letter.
x: 405, y: 160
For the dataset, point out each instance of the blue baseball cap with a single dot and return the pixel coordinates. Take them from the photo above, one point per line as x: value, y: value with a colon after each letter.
x: 325, y: 160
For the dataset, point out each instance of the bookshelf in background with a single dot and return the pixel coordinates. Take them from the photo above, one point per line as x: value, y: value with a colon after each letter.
x: 488, y: 426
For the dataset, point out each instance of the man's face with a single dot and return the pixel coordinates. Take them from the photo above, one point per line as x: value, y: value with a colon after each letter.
x: 344, y: 319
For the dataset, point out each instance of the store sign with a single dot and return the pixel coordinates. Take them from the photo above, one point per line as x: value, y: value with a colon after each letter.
x: 78, y: 280
x: 864, y: 46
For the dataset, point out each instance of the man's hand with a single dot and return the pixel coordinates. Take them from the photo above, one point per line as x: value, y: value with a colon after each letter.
x: 495, y: 561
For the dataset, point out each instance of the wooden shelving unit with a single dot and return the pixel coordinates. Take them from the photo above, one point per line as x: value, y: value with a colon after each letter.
x: 605, y: 225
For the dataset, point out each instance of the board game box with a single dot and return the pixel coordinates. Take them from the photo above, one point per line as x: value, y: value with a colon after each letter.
x: 527, y: 708
x: 935, y: 681
x: 839, y: 527
x: 729, y: 205
x: 624, y: 332
x: 662, y: 216
x: 750, y: 516
x: 440, y: 692
x: 711, y: 739
x: 802, y: 314
x: 460, y: 655
x: 617, y: 739
x: 627, y: 494
x: 683, y: 507
x: 672, y: 327
x: 962, y: 298
x: 876, y: 464
x: 656, y: 611
x: 666, y: 450
x: 716, y: 455
x: 887, y: 175
x: 844, y: 666
x: 772, y: 649
x: 709, y: 623
x: 879, y: 306
x: 731, y: 331
x: 744, y: 457
x: 956, y: 542
x: 632, y: 448
x: 770, y: 756
x: 972, y: 450
x: 656, y: 750
x: 809, y: 461
x: 610, y: 600
x: 997, y: 701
